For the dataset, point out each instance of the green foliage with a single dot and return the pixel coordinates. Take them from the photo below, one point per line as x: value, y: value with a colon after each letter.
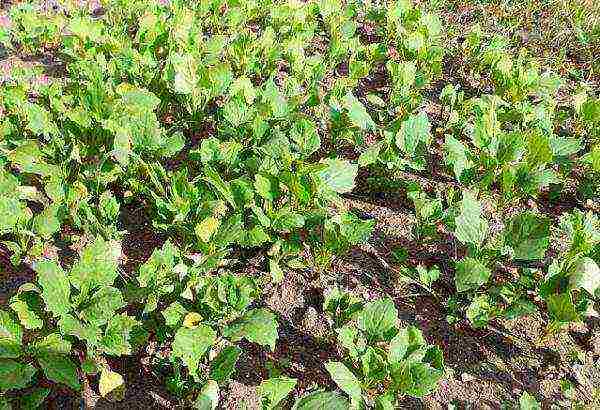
x: 237, y: 131
x: 382, y: 357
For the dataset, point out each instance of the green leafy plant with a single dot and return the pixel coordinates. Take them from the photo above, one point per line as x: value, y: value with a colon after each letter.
x: 383, y: 361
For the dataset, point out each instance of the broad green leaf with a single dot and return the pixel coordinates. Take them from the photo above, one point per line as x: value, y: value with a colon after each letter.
x: 322, y: 400
x: 56, y: 290
x: 28, y: 318
x: 592, y: 158
x: 359, y: 117
x: 34, y: 399
x: 471, y: 228
x: 347, y: 336
x: 11, y: 335
x: 59, y: 368
x: 345, y: 380
x: 272, y: 391
x: 370, y: 155
x: 116, y: 336
x: 374, y: 367
x: 174, y: 313
x: 539, y: 151
x: 223, y: 366
x: 12, y: 211
x: 563, y: 146
x: 378, y: 319
x: 528, y: 402
x: 528, y: 234
x: 243, y: 86
x: 183, y: 73
x: 257, y: 326
x: 47, y: 223
x: 190, y: 345
x: 267, y: 187
x: 339, y: 176
x: 71, y: 326
x: 385, y: 402
x: 305, y: 135
x: 404, y: 343
x: 456, y: 156
x: 15, y: 375
x: 236, y: 111
x: 97, y: 265
x: 208, y: 399
x: 224, y: 188
x: 52, y: 344
x: 471, y: 274
x: 276, y: 100
x: 276, y: 271
x: 428, y: 276
x: 415, y: 379
x: 585, y: 275
x: 287, y: 221
x: 480, y: 311
x: 561, y: 308
x: 414, y: 130
x: 102, y: 306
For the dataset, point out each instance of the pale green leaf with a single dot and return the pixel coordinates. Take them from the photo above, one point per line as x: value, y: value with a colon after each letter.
x: 471, y: 227
x: 339, y: 176
x: 56, y: 289
x: 208, y: 399
x: 190, y: 345
x: 11, y: 335
x: 345, y: 380
x: 274, y: 390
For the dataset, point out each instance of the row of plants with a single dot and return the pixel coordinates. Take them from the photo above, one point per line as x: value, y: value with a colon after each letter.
x: 239, y: 127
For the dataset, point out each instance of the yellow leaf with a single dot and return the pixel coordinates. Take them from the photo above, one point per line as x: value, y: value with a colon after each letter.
x: 206, y: 228
x: 192, y: 320
x: 112, y: 383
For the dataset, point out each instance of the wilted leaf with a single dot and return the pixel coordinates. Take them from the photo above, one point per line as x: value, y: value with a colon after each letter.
x: 585, y: 275
x: 111, y: 383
